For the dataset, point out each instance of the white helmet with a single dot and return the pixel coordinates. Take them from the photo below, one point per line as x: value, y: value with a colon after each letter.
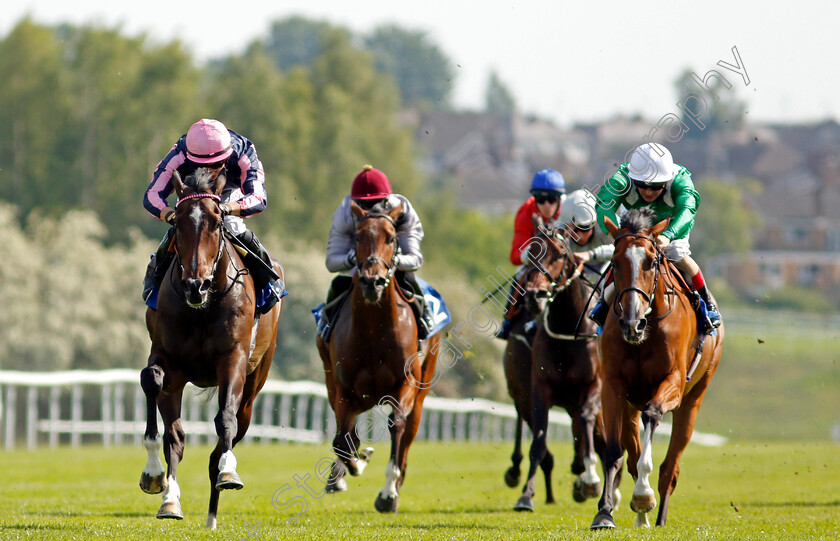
x: 581, y: 209
x: 651, y: 163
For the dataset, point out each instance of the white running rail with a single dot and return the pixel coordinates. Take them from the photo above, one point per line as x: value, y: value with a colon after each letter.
x: 108, y: 407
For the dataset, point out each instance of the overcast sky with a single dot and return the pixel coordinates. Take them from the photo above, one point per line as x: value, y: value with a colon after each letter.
x: 568, y: 61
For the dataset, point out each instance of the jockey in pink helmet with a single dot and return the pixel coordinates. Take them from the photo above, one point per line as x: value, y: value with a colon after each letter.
x: 372, y: 191
x: 208, y: 143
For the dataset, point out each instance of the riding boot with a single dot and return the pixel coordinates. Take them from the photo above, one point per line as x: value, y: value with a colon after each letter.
x: 263, y: 274
x: 425, y: 323
x: 711, y: 308
x: 339, y: 285
x: 600, y: 312
x: 504, y: 332
x: 158, y: 265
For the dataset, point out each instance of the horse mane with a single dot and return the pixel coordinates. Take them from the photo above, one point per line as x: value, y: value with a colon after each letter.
x: 201, y: 180
x: 636, y: 220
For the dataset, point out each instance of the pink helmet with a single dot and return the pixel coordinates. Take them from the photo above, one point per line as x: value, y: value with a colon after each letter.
x: 208, y: 141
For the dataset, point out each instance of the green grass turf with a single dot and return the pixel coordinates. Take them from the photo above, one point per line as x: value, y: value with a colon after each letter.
x: 453, y: 491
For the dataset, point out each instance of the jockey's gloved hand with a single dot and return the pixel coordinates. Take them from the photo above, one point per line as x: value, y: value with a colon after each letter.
x: 351, y: 258
x: 226, y: 209
x: 170, y: 218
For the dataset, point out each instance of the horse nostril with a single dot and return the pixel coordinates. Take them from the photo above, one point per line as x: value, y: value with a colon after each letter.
x: 205, y: 286
x: 541, y: 294
x: 642, y: 324
x: 380, y: 281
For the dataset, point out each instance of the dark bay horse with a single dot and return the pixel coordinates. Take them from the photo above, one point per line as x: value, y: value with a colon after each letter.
x: 204, y: 332
x: 372, y: 358
x: 564, y: 368
x: 653, y: 361
x: 517, y: 364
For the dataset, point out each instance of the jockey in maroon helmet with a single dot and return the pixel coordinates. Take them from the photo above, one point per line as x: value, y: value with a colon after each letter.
x: 371, y: 190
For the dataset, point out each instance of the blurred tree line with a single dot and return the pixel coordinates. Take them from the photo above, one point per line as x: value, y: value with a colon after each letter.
x: 88, y: 114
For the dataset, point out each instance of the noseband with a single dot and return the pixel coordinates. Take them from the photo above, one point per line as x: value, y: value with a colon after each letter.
x: 374, y: 259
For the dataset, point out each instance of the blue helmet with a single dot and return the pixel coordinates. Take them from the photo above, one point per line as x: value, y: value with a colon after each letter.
x: 548, y: 180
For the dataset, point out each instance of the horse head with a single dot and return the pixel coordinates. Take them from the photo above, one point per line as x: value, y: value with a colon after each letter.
x: 551, y: 267
x: 376, y: 249
x: 636, y: 270
x: 199, y: 236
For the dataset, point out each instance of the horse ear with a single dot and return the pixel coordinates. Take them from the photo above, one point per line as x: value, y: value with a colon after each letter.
x: 219, y: 185
x: 660, y: 227
x: 177, y: 183
x: 612, y: 229
x: 358, y: 211
x: 395, y: 212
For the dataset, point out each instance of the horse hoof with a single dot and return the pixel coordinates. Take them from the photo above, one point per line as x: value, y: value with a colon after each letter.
x: 152, y: 484
x: 583, y: 491
x: 603, y: 521
x: 366, y: 453
x: 524, y: 504
x: 170, y: 510
x: 229, y: 481
x: 642, y: 503
x: 386, y: 505
x: 333, y: 487
x: 512, y: 477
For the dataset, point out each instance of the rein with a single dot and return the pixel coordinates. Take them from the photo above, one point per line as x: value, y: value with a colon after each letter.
x: 559, y: 289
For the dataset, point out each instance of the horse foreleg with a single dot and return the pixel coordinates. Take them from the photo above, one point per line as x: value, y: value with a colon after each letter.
x: 512, y: 474
x: 681, y: 430
x: 232, y: 382
x: 643, y: 496
x: 666, y: 398
x: 587, y: 484
x: 388, y: 498
x: 539, y: 428
x: 345, y: 445
x: 614, y: 413
x: 152, y: 480
x: 243, y: 421
x: 173, y: 452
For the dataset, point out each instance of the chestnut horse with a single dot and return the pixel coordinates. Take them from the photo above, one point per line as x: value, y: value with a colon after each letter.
x: 564, y: 369
x: 372, y: 358
x: 653, y: 361
x: 203, y: 333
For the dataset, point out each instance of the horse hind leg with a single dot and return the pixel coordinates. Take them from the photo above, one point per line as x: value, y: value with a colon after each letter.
x: 513, y: 473
x: 153, y: 478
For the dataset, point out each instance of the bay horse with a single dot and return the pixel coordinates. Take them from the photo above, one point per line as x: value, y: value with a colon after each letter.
x: 654, y: 359
x: 372, y: 358
x: 203, y: 332
x: 564, y: 369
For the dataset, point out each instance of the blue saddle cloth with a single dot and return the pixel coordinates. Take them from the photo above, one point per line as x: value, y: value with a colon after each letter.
x: 434, y: 303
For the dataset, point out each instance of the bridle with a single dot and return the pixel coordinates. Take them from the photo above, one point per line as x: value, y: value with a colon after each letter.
x: 554, y: 286
x: 558, y: 287
x: 657, y: 262
x: 375, y: 259
x: 222, y: 239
